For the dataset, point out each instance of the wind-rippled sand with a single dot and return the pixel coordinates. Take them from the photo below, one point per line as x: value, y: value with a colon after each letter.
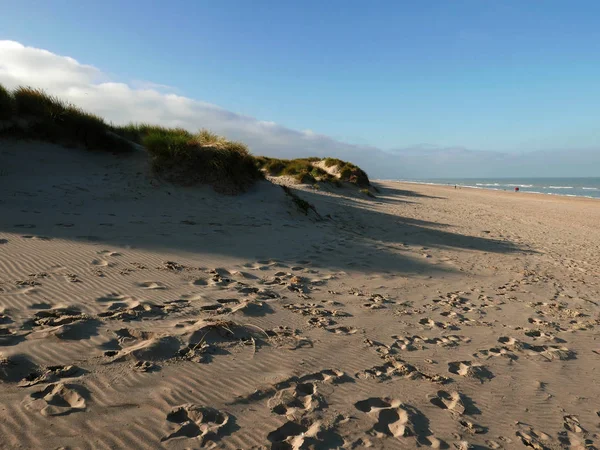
x: 136, y: 314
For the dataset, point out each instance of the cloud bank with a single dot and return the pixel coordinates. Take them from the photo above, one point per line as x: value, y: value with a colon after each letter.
x: 143, y: 101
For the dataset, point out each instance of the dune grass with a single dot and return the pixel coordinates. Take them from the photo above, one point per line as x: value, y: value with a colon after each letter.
x: 304, y: 170
x: 7, y: 104
x: 349, y: 172
x: 205, y: 157
x: 300, y: 203
x: 50, y: 119
x: 176, y: 154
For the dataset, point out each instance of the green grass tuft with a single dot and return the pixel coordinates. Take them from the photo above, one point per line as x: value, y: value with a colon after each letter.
x: 205, y: 157
x: 304, y: 170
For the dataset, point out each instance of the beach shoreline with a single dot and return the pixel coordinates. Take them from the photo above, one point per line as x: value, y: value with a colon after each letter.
x: 487, y: 189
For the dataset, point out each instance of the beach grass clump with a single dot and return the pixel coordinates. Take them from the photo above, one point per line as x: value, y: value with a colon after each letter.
x: 300, y: 203
x: 204, y: 157
x: 303, y: 170
x: 351, y: 173
x: 306, y: 170
x: 50, y: 119
x: 7, y: 104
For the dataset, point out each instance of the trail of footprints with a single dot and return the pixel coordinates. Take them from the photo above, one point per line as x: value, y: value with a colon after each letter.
x: 206, y: 330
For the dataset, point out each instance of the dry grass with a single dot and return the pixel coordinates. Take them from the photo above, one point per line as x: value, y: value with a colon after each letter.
x: 205, y: 157
x: 50, y: 119
x: 300, y: 203
x: 305, y: 171
x: 7, y: 104
x: 176, y: 154
x: 302, y: 169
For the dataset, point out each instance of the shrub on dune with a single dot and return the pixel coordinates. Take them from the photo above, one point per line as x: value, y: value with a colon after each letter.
x: 205, y: 157
x: 51, y: 119
x: 305, y: 170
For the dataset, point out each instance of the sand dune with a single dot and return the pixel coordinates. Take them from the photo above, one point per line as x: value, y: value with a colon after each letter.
x: 138, y: 314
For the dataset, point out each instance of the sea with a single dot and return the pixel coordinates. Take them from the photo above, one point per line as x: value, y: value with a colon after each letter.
x: 570, y: 187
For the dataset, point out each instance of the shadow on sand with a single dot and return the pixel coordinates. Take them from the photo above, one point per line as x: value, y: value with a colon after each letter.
x: 115, y: 207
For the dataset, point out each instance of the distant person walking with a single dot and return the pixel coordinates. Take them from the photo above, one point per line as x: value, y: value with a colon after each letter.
x: 516, y: 189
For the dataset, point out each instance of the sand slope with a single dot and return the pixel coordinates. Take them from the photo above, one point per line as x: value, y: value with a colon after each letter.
x: 137, y: 314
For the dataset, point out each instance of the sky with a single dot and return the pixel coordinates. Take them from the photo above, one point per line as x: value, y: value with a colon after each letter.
x: 351, y: 78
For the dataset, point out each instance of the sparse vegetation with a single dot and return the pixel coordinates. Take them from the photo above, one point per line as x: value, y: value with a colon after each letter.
x: 205, y: 157
x: 301, y: 169
x: 305, y: 170
x: 50, y: 119
x: 176, y: 154
x: 300, y: 203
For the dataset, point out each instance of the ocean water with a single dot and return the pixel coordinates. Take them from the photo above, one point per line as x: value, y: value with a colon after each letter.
x: 572, y: 187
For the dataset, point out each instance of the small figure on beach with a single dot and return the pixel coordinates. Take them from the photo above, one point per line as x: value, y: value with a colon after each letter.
x: 516, y: 189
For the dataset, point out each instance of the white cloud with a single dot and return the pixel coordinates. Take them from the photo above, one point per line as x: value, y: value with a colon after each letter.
x: 144, y: 101
x: 88, y: 87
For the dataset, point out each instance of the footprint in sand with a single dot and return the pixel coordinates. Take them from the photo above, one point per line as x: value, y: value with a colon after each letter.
x: 101, y: 263
x: 152, y: 285
x: 200, y: 422
x: 297, y: 400
x: 321, y: 322
x: 50, y: 374
x: 58, y: 399
x: 145, y: 366
x: 116, y: 300
x: 108, y: 253
x: 9, y: 337
x: 452, y: 401
x: 548, y: 352
x: 470, y: 370
x: 304, y: 434
x: 15, y: 367
x: 303, y: 389
x: 472, y: 427
x: 344, y: 330
x: 138, y: 311
x: 377, y: 301
x: 430, y: 323
x: 264, y: 265
x: 396, y: 419
x: 3, y: 241
x: 395, y: 367
x: 314, y: 309
x: 530, y: 437
x: 411, y: 343
x: 574, y: 436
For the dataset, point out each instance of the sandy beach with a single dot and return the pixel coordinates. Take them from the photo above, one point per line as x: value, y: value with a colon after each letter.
x: 139, y: 314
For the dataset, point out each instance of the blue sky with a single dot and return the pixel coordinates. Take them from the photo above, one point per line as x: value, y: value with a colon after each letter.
x: 502, y: 75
